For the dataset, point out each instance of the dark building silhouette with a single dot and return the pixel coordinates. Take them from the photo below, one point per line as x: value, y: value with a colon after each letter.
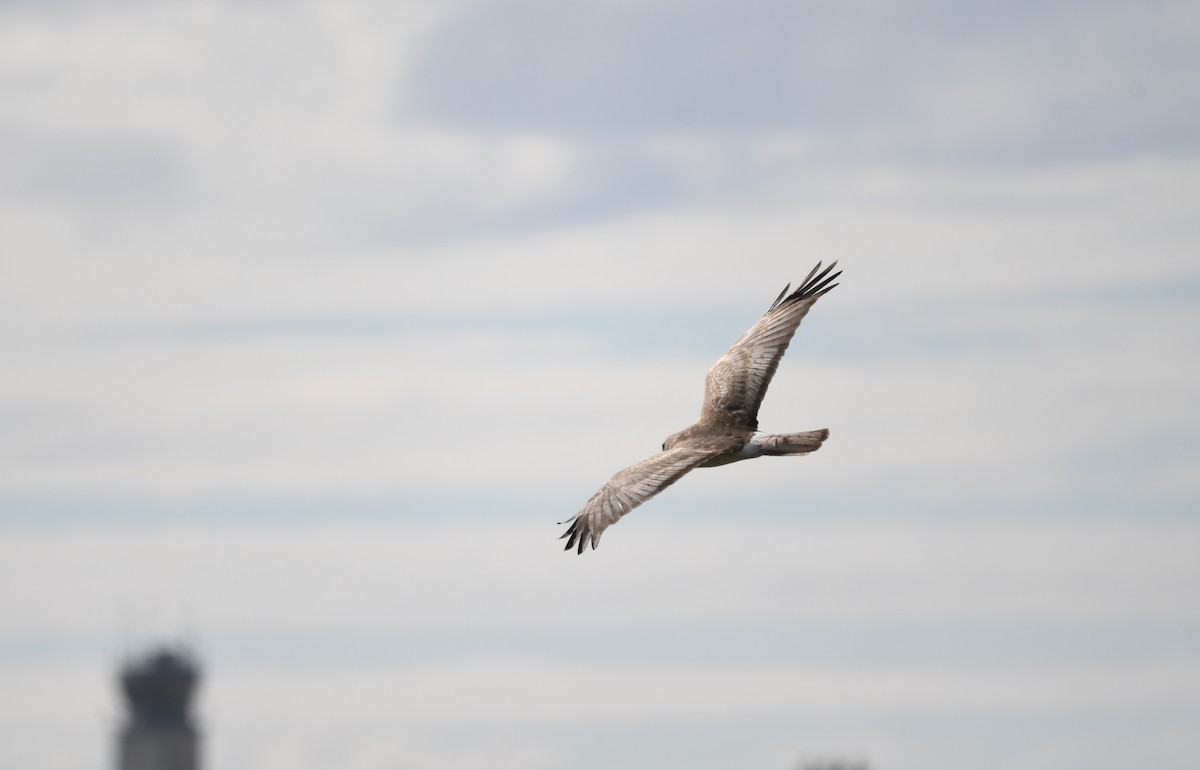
x: 159, y: 731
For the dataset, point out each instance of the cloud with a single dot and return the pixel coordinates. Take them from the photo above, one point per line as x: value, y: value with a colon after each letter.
x: 996, y: 340
x: 450, y: 714
x: 313, y: 577
x: 317, y: 317
x: 927, y: 81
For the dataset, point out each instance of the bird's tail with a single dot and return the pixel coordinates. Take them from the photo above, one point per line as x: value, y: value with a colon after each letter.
x: 793, y: 443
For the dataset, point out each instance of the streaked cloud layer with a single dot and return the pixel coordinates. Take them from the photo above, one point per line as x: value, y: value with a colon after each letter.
x: 318, y: 317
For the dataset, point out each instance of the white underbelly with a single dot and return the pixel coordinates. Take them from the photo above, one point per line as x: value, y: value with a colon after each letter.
x: 751, y: 449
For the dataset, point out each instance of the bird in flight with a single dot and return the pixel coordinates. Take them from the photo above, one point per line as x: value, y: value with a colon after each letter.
x: 727, y: 430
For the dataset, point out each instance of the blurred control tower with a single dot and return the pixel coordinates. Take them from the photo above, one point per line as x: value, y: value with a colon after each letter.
x: 159, y: 732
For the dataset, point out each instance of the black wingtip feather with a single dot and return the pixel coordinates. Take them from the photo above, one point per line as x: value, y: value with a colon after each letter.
x: 577, y: 536
x: 817, y: 283
x: 779, y: 299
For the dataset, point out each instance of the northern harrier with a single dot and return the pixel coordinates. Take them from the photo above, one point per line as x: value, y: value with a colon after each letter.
x: 728, y: 427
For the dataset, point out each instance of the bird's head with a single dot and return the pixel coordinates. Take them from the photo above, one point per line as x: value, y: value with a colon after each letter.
x: 672, y: 440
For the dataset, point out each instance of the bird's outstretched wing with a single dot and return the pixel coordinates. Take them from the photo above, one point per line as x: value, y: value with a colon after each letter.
x: 735, y: 386
x: 637, y: 484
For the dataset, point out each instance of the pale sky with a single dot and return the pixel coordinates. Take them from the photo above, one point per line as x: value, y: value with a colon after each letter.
x: 320, y: 316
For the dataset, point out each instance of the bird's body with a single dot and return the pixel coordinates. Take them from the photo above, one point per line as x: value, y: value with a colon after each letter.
x: 727, y: 430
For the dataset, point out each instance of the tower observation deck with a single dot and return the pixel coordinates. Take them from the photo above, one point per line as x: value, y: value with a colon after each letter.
x: 159, y: 731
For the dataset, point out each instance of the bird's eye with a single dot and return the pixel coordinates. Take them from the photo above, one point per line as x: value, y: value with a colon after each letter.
x: 664, y: 446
